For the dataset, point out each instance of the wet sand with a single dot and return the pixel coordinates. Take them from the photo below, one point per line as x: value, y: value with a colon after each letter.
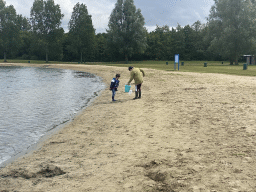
x: 188, y: 132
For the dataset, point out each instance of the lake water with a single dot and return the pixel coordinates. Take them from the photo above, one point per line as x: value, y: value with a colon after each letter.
x: 35, y: 100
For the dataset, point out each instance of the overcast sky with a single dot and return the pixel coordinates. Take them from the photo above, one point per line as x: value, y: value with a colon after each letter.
x: 155, y: 12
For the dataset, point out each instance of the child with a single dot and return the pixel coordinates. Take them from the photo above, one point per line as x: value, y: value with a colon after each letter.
x: 114, y: 85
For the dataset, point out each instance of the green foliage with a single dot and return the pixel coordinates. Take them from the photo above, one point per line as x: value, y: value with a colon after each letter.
x: 101, y: 53
x: 81, y: 36
x: 2, y: 5
x: 9, y: 33
x: 23, y: 23
x: 159, y: 43
x: 25, y: 36
x: 45, y: 16
x: 164, y: 43
x: 126, y: 33
x: 228, y: 34
x: 24, y: 48
x: 45, y: 22
x: 229, y: 28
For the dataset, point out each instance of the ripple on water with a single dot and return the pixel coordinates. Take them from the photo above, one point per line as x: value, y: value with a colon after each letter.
x: 36, y: 100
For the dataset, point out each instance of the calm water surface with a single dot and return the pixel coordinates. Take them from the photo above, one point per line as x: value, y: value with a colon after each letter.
x: 36, y: 100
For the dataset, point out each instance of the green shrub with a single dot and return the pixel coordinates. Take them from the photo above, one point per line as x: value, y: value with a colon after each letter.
x: 34, y: 57
x: 25, y: 57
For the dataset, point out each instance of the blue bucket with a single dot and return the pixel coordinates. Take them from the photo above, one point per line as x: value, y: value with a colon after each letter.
x: 127, y: 88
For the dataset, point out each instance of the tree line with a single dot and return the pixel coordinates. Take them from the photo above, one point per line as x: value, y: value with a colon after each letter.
x: 228, y: 34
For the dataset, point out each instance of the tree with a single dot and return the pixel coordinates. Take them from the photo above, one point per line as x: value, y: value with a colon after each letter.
x: 229, y: 28
x: 160, y: 44
x: 200, y: 41
x: 81, y: 33
x: 126, y: 29
x: 25, y: 36
x: 45, y: 20
x: 9, y: 30
x: 251, y: 5
x: 189, y: 40
x: 23, y: 23
x: 179, y: 41
x: 100, y: 53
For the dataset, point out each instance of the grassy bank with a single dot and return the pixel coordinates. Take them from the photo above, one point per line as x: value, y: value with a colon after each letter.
x: 33, y: 61
x: 192, y: 66
x: 189, y: 66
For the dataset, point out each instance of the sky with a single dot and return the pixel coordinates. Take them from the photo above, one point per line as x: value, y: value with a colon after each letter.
x: 155, y: 12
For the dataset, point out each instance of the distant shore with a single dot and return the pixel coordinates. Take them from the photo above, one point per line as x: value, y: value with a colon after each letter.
x: 188, y: 132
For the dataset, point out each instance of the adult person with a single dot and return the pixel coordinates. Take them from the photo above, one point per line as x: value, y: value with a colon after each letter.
x: 137, y: 74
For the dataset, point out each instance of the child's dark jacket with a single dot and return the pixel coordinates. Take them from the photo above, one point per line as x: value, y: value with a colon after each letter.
x: 114, y: 83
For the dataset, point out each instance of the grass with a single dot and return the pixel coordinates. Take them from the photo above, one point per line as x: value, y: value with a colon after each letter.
x: 35, y: 61
x: 189, y: 66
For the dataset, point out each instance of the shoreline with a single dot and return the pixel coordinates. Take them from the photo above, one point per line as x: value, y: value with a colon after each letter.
x: 188, y: 132
x: 36, y: 146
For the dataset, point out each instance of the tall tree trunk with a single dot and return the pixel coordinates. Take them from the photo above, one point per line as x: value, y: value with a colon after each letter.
x: 5, y: 56
x: 236, y: 60
x: 81, y: 57
x: 46, y: 53
x: 231, y: 61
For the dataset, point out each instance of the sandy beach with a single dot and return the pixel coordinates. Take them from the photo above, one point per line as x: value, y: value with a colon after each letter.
x: 189, y: 132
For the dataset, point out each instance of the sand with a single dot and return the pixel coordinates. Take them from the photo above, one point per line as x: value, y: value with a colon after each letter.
x: 188, y: 132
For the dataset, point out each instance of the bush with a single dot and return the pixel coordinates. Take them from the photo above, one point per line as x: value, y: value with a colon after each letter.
x: 25, y: 57
x: 34, y: 57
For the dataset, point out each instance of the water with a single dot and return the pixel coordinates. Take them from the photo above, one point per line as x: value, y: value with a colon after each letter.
x: 36, y: 100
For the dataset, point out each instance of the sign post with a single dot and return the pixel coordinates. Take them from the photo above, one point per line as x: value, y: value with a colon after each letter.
x: 177, y: 60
